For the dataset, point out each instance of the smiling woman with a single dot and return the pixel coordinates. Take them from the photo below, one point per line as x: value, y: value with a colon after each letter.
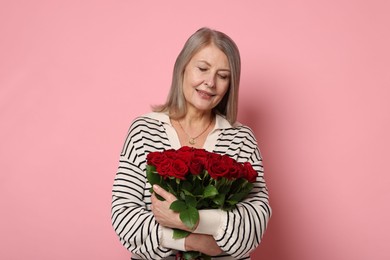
x: 206, y: 79
x: 201, y: 112
x: 205, y: 83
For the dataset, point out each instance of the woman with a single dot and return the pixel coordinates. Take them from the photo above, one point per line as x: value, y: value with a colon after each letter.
x: 200, y: 111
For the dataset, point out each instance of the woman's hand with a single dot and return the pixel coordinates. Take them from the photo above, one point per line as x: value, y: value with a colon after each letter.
x: 163, y: 215
x: 202, y: 243
x: 168, y: 218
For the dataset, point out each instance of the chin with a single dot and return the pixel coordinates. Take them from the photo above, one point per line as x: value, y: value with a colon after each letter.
x: 203, y: 109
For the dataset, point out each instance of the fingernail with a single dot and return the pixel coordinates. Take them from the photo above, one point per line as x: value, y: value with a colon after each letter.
x: 156, y: 187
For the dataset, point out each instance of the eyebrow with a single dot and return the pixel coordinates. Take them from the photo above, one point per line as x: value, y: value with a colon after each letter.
x: 210, y: 65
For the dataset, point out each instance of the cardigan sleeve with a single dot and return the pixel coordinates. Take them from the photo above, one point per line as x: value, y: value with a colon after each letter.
x: 131, y: 217
x: 243, y: 228
x: 240, y: 230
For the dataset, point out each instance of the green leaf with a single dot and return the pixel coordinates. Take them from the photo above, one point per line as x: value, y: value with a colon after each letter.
x: 248, y: 187
x: 150, y: 168
x: 238, y: 197
x: 153, y: 177
x: 219, y: 199
x: 190, y: 255
x: 178, y: 233
x: 189, y: 217
x: 210, y: 191
x: 191, y: 201
x: 178, y: 206
x: 188, y: 193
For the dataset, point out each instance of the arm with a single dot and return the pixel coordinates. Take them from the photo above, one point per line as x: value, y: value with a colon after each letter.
x: 243, y: 228
x: 131, y: 216
x: 240, y: 231
x: 202, y: 243
x: 237, y: 232
x: 168, y: 218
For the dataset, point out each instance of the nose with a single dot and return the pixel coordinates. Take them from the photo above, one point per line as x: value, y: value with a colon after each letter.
x: 210, y: 81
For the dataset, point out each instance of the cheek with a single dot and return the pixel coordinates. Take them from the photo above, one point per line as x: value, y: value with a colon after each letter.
x: 191, y: 78
x: 224, y: 88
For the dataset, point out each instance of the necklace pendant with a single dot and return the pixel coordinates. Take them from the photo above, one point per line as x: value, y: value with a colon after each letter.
x: 191, y: 141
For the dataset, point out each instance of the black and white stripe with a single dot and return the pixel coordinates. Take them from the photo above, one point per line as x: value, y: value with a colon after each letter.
x: 131, y: 216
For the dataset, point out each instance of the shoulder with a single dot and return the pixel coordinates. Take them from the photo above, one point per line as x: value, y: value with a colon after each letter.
x: 148, y: 130
x: 245, y: 130
x: 239, y: 142
x: 150, y: 119
x: 146, y: 125
x: 239, y: 133
x: 236, y: 129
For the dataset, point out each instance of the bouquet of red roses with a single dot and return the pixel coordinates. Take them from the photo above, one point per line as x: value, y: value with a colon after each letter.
x: 199, y: 180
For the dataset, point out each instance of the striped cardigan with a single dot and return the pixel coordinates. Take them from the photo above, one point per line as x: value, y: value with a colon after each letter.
x: 241, y: 229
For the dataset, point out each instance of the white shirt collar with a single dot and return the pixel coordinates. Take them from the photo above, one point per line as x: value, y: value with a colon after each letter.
x: 211, y: 140
x: 220, y: 122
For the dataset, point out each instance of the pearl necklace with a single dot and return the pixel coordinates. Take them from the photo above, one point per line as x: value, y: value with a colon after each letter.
x: 191, y: 140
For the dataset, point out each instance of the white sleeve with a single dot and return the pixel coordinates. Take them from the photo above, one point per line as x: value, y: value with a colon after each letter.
x: 167, y: 240
x: 210, y: 221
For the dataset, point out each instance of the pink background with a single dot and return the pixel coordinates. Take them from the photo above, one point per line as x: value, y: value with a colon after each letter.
x: 315, y: 89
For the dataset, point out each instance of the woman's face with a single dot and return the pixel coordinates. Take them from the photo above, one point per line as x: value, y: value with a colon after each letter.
x: 206, y: 79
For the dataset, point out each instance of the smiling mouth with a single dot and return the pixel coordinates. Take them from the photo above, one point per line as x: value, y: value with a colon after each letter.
x: 205, y: 93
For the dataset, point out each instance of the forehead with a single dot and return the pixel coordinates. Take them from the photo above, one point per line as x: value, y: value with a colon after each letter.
x: 212, y: 55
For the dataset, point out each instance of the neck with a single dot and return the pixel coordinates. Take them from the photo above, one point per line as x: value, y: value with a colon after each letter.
x: 195, y: 126
x: 197, y: 119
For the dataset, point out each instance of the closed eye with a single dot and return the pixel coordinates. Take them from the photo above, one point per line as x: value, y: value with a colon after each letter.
x: 223, y: 76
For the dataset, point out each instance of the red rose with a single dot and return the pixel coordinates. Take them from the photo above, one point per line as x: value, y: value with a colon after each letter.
x: 213, y: 157
x: 154, y: 158
x: 236, y: 171
x: 196, y: 166
x: 185, y: 149
x: 164, y: 167
x: 171, y: 153
x: 186, y: 154
x: 249, y: 173
x: 200, y: 157
x: 201, y: 153
x: 218, y: 166
x: 179, y: 169
x: 228, y: 160
x: 232, y: 165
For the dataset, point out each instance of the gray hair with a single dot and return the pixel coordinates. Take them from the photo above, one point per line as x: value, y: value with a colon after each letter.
x: 175, y: 103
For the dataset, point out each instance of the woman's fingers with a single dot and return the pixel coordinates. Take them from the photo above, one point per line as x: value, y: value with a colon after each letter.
x: 202, y: 243
x: 163, y: 193
x: 161, y: 211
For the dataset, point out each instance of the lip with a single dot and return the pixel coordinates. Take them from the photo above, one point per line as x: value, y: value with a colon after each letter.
x: 205, y: 93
